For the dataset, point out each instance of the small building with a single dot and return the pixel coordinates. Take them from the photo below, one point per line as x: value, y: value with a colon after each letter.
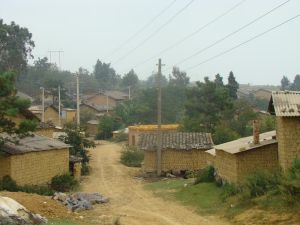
x: 135, y: 131
x: 180, y: 151
x: 237, y: 159
x: 92, y: 127
x: 33, y: 160
x: 93, y: 112
x: 285, y: 105
x: 47, y: 129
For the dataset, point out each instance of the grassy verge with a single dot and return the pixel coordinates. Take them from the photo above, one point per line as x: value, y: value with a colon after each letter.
x: 204, y: 197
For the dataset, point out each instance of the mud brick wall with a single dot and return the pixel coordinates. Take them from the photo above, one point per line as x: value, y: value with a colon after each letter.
x: 176, y: 160
x: 262, y: 158
x: 226, y: 166
x: 288, y: 136
x: 51, y: 115
x: 37, y: 168
x: 4, y: 166
x: 48, y: 132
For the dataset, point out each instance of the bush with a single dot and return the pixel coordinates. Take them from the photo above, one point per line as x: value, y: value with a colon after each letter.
x: 8, y: 184
x: 131, y: 156
x: 229, y: 190
x: 261, y: 182
x: 40, y: 190
x: 205, y: 175
x: 63, y: 183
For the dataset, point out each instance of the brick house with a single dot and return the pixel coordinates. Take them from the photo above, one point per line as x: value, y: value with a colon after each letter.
x: 34, y: 160
x: 285, y: 105
x: 135, y: 131
x: 180, y: 151
x: 240, y: 158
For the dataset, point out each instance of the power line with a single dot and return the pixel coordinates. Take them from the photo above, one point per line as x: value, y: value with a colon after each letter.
x: 142, y: 29
x: 243, y: 43
x: 232, y: 33
x: 155, y: 32
x: 192, y: 34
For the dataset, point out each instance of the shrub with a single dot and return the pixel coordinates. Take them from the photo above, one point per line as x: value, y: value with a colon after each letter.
x: 8, y: 184
x: 40, y: 190
x: 229, y: 190
x: 205, y: 175
x: 63, y: 183
x: 261, y: 182
x: 131, y: 156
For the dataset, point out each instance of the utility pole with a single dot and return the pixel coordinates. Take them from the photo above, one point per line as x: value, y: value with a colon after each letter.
x: 43, y: 104
x: 59, y: 105
x: 107, y: 104
x: 159, y: 131
x: 78, y: 105
x: 129, y: 87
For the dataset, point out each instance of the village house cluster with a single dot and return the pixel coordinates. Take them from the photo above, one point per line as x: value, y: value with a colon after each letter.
x: 234, y: 160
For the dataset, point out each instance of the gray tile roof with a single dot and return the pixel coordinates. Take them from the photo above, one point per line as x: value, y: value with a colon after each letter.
x: 285, y: 103
x: 176, y: 140
x: 35, y: 143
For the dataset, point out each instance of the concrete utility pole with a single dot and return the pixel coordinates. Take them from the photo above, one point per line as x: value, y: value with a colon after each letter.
x: 159, y: 132
x: 59, y: 105
x: 78, y: 101
x: 43, y: 104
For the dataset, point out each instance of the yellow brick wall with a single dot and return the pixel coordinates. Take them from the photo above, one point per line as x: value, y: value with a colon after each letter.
x: 176, y: 160
x: 263, y: 158
x: 51, y: 115
x: 226, y: 166
x: 4, y: 166
x: 288, y: 136
x: 37, y: 168
x: 48, y: 132
x: 70, y: 116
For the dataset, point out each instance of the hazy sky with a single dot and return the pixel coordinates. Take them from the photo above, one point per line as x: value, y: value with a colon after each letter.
x: 91, y: 29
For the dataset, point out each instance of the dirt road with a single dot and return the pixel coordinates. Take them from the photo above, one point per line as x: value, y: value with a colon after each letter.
x: 128, y: 199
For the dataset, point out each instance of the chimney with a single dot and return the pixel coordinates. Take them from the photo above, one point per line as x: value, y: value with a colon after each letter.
x: 255, y: 132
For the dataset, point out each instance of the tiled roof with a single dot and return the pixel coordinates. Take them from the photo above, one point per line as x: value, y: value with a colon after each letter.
x: 285, y: 103
x: 176, y: 140
x: 35, y: 143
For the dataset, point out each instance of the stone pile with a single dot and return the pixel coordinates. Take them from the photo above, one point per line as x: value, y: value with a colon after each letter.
x: 11, y: 212
x: 80, y: 200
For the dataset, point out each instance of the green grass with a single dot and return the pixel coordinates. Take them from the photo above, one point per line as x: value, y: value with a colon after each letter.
x: 69, y: 222
x: 204, y: 197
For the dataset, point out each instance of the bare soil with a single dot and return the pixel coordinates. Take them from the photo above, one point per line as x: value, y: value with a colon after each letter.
x: 129, y: 201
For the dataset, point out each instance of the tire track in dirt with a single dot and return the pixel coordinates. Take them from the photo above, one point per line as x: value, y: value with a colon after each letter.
x: 128, y: 198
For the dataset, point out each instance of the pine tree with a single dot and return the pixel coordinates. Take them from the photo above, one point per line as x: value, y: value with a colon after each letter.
x: 285, y: 83
x: 232, y: 86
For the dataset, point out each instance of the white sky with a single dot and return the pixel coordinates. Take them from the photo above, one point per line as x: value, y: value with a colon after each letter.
x: 92, y: 29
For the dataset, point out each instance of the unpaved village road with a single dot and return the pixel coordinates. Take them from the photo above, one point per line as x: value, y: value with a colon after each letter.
x: 128, y: 199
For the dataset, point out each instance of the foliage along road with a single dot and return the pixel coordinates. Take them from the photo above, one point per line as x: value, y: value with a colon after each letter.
x: 129, y: 201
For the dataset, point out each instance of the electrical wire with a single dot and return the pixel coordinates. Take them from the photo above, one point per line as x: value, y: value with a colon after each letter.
x: 243, y: 43
x: 155, y: 32
x: 232, y: 33
x: 191, y: 34
x: 142, y: 29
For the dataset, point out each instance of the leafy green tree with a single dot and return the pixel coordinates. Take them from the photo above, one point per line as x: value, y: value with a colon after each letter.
x: 219, y: 80
x: 232, y: 85
x: 15, y: 47
x: 75, y: 137
x: 10, y: 106
x: 107, y: 125
x: 296, y: 83
x: 205, y: 106
x: 105, y: 75
x: 285, y: 83
x: 152, y: 81
x: 223, y: 134
x: 130, y: 80
x: 178, y: 78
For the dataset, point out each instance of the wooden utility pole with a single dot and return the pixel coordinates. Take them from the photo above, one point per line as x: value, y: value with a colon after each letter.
x: 159, y: 132
x: 43, y: 104
x: 59, y: 107
x: 78, y: 101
